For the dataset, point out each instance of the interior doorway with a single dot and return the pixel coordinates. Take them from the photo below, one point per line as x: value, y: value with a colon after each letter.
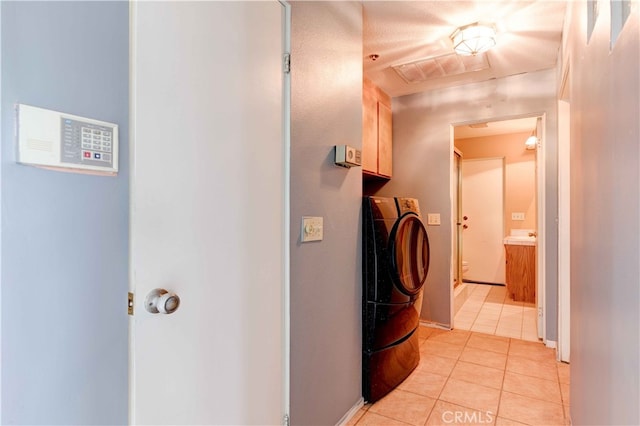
x: 503, y: 140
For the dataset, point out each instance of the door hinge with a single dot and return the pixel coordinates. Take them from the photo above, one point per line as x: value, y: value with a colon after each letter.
x: 540, y: 312
x: 130, y: 304
x: 285, y: 420
x: 287, y: 63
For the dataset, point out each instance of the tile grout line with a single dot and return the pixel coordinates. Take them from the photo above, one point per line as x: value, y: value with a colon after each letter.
x: 506, y: 362
x: 557, y: 381
x: 564, y: 407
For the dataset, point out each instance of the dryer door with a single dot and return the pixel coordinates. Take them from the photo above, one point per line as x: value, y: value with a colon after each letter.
x: 409, y: 249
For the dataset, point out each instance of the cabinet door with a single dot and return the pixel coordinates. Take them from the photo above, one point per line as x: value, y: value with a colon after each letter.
x: 369, y: 129
x: 521, y: 278
x: 384, y: 140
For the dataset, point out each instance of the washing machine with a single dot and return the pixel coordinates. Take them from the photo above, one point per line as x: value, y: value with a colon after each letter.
x: 395, y: 266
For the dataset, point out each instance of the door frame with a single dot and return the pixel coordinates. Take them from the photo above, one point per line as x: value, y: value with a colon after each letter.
x: 541, y: 261
x: 286, y: 314
x: 540, y: 214
x: 564, y: 215
x: 457, y: 212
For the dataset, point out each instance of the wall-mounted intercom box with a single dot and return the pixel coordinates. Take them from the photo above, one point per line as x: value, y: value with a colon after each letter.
x: 67, y: 142
x: 347, y: 156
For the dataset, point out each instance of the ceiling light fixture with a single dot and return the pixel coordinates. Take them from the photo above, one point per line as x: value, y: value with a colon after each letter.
x: 473, y: 39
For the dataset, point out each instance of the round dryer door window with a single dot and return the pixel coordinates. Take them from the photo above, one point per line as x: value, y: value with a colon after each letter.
x: 409, y: 253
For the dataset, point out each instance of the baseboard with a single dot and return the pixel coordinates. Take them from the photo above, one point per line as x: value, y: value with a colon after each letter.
x: 435, y: 325
x: 551, y: 344
x: 352, y: 412
x: 460, y: 295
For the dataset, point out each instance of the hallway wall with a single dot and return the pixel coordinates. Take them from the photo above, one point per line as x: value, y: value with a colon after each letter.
x: 64, y: 250
x: 604, y: 82
x: 326, y: 304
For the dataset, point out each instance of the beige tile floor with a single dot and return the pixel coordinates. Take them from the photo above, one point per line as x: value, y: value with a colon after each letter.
x: 490, y: 310
x: 469, y: 378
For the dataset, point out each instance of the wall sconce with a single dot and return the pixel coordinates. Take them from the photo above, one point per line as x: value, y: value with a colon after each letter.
x: 473, y: 39
x: 531, y: 142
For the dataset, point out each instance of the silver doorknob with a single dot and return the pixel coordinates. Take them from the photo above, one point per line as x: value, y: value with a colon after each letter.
x: 160, y: 301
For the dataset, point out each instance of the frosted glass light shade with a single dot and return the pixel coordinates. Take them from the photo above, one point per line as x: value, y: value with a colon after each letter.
x: 531, y: 142
x: 473, y: 39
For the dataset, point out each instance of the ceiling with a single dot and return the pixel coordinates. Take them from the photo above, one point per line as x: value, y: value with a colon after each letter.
x: 528, y: 38
x: 492, y: 128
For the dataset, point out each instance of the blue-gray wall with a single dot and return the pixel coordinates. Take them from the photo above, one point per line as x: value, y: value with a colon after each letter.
x: 604, y: 82
x: 326, y: 306
x: 64, y: 236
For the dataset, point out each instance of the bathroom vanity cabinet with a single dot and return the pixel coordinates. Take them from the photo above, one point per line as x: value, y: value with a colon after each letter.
x: 521, y: 272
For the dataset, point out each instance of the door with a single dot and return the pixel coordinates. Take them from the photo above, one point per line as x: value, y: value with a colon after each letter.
x: 483, y: 223
x: 208, y: 211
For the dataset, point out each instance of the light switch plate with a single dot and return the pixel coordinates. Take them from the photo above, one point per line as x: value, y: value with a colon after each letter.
x: 433, y: 218
x: 517, y: 216
x: 312, y: 229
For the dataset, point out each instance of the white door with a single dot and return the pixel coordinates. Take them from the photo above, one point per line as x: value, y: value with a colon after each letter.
x: 483, y: 224
x: 208, y: 212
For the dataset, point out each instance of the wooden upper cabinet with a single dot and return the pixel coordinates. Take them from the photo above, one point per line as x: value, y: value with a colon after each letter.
x: 376, y: 132
x: 384, y: 140
x: 369, y: 131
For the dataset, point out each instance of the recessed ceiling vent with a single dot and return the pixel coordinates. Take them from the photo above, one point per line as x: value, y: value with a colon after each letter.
x: 441, y: 66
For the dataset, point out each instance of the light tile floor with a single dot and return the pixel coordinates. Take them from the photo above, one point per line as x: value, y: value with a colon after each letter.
x: 490, y: 310
x: 478, y: 379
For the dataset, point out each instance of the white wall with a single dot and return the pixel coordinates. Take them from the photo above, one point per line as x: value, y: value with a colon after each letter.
x: 605, y: 218
x: 422, y: 166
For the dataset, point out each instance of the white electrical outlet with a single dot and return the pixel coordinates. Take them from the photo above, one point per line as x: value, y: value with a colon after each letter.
x: 311, y: 228
x: 517, y: 216
x: 433, y: 218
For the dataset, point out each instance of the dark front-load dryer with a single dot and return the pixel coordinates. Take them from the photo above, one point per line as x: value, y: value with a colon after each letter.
x: 395, y: 266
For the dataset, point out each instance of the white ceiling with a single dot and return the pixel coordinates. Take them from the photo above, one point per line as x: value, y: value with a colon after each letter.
x: 528, y: 38
x: 496, y: 128
x: 529, y: 35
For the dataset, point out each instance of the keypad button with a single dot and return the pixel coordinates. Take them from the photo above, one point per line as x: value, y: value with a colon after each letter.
x: 107, y: 149
x: 86, y: 154
x: 97, y: 155
x: 106, y: 157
